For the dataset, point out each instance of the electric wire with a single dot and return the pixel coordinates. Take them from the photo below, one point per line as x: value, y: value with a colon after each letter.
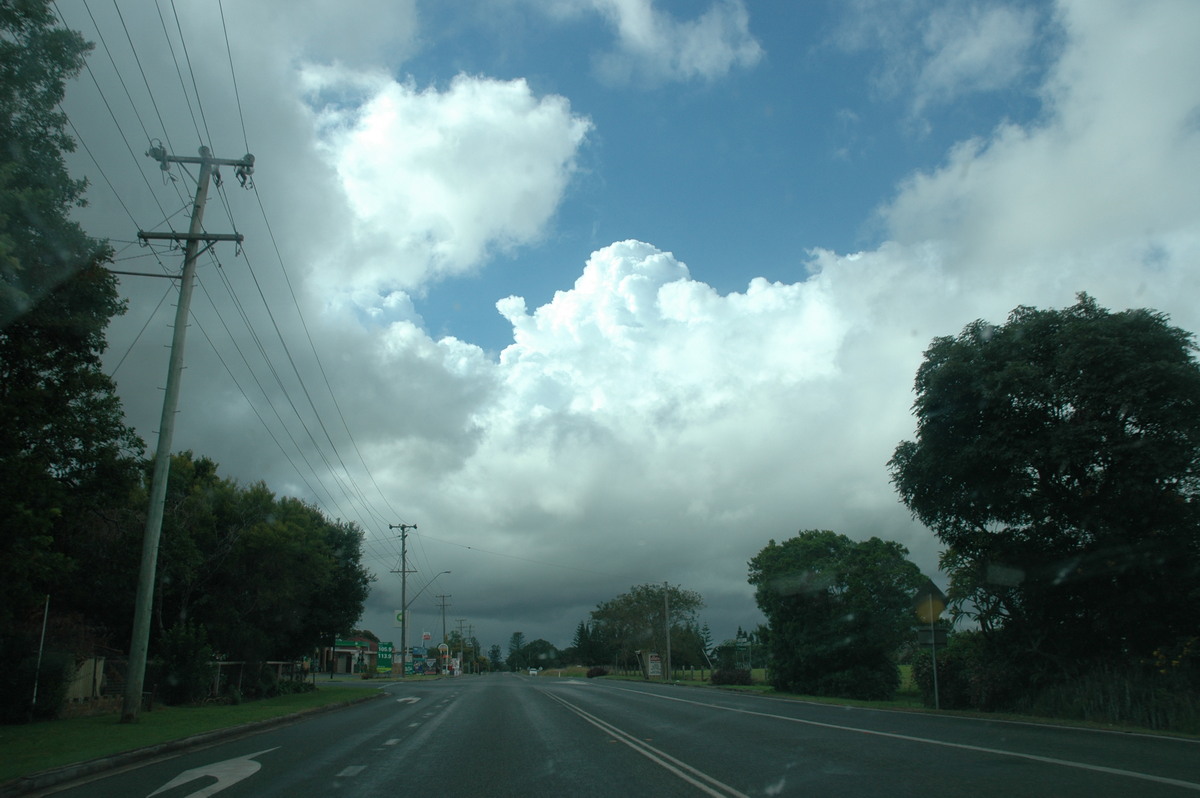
x: 233, y: 74
x: 188, y: 60
x: 371, y: 540
x: 145, y: 80
x: 138, y: 337
x: 179, y: 72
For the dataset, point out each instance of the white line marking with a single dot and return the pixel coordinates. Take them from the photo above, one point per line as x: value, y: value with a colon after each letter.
x: 407, y: 700
x: 351, y: 772
x: 392, y: 741
x: 660, y: 758
x: 1189, y: 785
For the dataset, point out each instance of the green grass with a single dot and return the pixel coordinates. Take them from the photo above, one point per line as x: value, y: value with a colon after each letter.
x: 35, y: 747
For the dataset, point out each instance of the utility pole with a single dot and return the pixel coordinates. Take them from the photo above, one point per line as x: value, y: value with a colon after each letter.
x: 444, y: 605
x: 403, y: 592
x: 462, y: 644
x: 139, y: 645
x: 667, y: 623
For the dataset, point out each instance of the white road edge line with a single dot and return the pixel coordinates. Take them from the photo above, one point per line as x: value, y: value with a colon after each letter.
x: 660, y: 758
x: 1187, y: 785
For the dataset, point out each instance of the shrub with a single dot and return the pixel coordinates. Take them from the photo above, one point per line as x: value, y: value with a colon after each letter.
x: 596, y: 671
x: 186, y: 662
x: 16, y: 687
x: 738, y: 676
x: 864, y: 683
x: 973, y: 673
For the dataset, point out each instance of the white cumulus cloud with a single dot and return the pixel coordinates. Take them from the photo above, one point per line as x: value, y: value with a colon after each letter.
x: 436, y: 180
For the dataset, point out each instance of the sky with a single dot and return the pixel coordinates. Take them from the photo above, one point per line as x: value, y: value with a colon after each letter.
x: 600, y: 293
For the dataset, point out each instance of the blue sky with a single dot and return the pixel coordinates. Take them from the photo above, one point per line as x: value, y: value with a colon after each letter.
x: 605, y: 292
x: 794, y: 149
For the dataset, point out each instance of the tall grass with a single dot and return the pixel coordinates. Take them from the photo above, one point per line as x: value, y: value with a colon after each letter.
x: 1125, y: 696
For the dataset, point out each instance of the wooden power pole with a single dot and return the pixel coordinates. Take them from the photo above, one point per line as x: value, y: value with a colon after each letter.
x: 136, y: 673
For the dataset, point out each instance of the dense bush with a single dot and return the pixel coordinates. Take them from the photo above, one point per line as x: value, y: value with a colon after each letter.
x: 596, y: 671
x: 17, y: 683
x: 187, y: 664
x: 972, y: 674
x: 739, y: 676
x: 877, y: 683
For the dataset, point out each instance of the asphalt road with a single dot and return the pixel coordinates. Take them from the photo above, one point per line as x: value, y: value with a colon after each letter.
x: 518, y: 735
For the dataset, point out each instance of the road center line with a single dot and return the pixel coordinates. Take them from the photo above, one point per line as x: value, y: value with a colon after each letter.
x: 1188, y: 785
x: 660, y: 758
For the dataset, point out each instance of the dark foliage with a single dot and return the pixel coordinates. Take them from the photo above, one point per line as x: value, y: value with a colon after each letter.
x: 1058, y: 459
x: 734, y: 676
x: 837, y: 611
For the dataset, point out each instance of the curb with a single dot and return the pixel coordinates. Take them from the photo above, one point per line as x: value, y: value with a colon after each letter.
x: 50, y: 778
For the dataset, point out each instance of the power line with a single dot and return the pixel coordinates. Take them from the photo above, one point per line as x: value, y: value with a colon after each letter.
x: 188, y: 59
x: 233, y: 74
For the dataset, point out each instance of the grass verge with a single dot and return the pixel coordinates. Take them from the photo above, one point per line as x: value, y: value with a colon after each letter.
x: 34, y: 747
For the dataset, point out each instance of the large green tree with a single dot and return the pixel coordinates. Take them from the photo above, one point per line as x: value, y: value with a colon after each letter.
x: 837, y: 610
x: 1057, y: 457
x: 40, y: 246
x: 637, y: 620
x: 268, y: 577
x: 67, y: 459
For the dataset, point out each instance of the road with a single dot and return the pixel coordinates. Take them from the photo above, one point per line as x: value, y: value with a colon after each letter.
x: 519, y: 735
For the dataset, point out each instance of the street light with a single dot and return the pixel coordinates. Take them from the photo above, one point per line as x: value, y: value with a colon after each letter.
x: 422, y: 590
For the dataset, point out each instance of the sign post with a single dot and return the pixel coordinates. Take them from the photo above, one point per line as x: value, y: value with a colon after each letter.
x: 929, y: 605
x: 383, y: 664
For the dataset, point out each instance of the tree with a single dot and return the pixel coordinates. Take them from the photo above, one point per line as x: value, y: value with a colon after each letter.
x: 1057, y: 457
x: 635, y: 621
x: 516, y: 658
x: 540, y: 654
x: 268, y: 578
x: 67, y: 459
x: 40, y: 246
x: 495, y: 657
x: 837, y: 611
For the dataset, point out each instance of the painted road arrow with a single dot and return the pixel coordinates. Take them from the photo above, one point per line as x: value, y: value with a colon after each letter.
x: 227, y: 774
x: 409, y: 700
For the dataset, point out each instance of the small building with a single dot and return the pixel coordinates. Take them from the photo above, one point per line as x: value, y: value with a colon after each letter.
x: 353, y: 654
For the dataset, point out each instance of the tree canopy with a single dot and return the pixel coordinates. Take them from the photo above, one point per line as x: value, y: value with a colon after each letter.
x: 636, y: 621
x: 40, y: 246
x: 1058, y: 458
x: 67, y: 458
x: 268, y: 577
x: 836, y: 611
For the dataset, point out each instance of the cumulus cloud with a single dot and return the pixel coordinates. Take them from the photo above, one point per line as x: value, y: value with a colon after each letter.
x: 436, y: 180
x: 655, y: 47
x: 1104, y: 170
x: 643, y: 411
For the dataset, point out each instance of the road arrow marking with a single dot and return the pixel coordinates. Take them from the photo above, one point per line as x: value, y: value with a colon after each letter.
x: 409, y: 700
x: 227, y: 774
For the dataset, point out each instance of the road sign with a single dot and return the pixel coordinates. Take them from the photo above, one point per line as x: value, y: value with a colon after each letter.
x: 929, y: 637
